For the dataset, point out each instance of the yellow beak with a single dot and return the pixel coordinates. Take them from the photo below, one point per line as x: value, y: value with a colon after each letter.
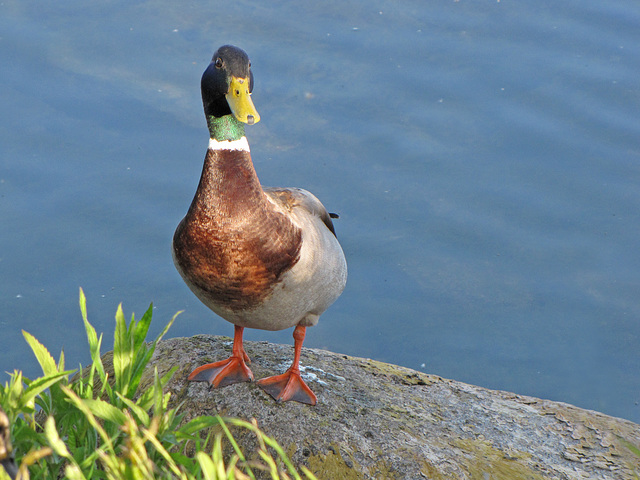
x: 239, y: 100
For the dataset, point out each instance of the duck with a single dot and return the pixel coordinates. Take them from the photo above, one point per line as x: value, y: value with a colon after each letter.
x: 259, y: 257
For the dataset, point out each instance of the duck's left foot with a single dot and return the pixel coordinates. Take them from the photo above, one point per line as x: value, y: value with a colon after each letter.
x: 288, y: 386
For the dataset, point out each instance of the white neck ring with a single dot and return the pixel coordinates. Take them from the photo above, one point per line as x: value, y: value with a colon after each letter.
x: 240, y: 144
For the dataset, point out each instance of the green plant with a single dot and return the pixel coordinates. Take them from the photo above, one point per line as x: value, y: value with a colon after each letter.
x: 94, y: 426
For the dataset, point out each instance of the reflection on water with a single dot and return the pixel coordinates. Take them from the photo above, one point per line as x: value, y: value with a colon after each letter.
x: 483, y: 159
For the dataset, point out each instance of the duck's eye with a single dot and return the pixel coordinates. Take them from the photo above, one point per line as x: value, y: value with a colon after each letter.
x: 218, y: 62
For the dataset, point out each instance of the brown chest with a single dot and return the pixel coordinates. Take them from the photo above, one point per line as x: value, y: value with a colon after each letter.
x: 236, y: 264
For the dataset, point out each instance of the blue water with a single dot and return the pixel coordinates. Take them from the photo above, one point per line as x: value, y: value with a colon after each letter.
x: 484, y: 158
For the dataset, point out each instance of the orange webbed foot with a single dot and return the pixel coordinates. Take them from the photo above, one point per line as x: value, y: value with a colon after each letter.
x: 226, y: 372
x: 223, y: 373
x: 288, y: 386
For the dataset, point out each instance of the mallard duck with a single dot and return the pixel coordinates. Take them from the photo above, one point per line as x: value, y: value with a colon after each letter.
x: 264, y: 258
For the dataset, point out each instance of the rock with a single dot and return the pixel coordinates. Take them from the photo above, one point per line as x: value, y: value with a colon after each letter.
x: 379, y: 421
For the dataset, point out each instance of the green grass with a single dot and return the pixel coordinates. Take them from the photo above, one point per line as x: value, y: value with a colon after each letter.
x: 91, y: 426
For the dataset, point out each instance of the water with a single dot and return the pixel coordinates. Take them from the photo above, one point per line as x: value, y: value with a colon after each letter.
x: 484, y: 158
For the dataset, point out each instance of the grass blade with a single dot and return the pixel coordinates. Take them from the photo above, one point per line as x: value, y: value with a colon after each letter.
x: 233, y: 442
x: 142, y: 328
x: 105, y: 411
x: 122, y: 354
x: 39, y: 385
x: 53, y: 438
x: 46, y: 361
x: 197, y: 424
x: 92, y: 337
x: 80, y: 405
x: 141, y: 415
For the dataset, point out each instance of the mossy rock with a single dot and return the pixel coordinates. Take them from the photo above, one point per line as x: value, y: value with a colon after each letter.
x: 374, y: 420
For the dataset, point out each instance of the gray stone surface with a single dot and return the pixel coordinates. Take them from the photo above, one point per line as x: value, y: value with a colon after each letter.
x: 377, y: 421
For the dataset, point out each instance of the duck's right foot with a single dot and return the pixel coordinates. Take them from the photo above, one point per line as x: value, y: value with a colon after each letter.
x: 223, y: 373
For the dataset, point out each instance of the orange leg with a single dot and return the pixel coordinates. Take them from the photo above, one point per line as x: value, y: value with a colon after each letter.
x: 229, y: 371
x: 289, y: 385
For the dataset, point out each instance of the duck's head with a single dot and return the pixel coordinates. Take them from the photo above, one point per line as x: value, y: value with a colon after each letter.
x: 227, y: 84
